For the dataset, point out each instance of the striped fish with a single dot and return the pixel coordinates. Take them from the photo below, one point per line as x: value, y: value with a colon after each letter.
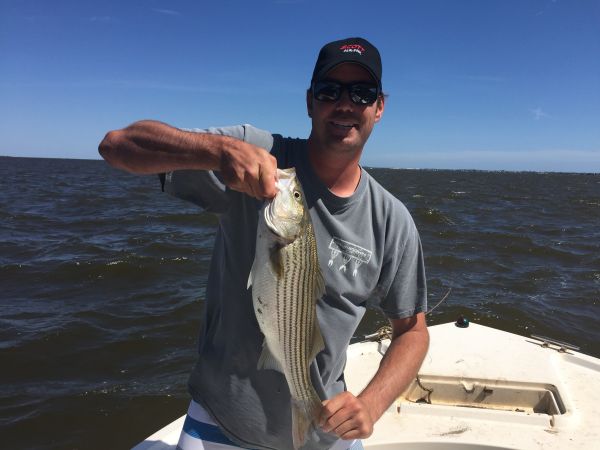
x: 286, y: 283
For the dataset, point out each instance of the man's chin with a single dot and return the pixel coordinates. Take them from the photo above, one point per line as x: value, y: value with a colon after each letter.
x: 346, y: 144
x: 343, y: 134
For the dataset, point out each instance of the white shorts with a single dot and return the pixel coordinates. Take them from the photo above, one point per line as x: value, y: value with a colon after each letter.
x: 200, y: 432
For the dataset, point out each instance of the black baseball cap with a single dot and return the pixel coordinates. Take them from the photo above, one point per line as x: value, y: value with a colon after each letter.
x: 354, y: 50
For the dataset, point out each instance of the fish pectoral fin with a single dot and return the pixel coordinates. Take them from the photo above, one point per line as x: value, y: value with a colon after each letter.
x: 276, y: 261
x: 317, y: 342
x: 250, y: 277
x: 268, y: 361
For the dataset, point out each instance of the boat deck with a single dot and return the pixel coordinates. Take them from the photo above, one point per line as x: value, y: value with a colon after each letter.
x: 481, y: 388
x: 478, y: 389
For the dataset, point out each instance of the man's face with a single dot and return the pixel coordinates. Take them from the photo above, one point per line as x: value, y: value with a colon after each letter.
x: 342, y: 125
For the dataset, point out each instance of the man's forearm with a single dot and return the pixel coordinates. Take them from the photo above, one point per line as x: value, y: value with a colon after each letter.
x: 154, y: 147
x: 397, y: 369
x: 148, y: 146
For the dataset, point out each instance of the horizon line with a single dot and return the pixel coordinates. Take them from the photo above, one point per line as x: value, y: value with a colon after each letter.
x: 368, y: 166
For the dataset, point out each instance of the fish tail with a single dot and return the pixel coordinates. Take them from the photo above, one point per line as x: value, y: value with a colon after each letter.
x: 304, y: 413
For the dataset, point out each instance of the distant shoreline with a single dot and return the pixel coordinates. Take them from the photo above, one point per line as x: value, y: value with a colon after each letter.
x: 427, y: 169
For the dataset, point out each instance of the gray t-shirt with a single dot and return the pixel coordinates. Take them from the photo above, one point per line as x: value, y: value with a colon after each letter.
x: 369, y: 252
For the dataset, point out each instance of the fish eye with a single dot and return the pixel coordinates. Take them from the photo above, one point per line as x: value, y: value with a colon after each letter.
x: 297, y: 195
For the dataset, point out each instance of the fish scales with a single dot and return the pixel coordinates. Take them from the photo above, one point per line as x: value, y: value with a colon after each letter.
x: 296, y: 313
x: 286, y: 283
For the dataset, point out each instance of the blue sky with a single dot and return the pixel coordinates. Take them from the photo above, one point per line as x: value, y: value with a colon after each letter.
x: 478, y: 84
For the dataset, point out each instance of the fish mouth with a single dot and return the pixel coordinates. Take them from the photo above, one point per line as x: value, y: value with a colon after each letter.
x: 285, y: 231
x: 268, y: 213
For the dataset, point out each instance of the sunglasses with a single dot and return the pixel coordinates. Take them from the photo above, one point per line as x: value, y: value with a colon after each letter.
x: 360, y: 93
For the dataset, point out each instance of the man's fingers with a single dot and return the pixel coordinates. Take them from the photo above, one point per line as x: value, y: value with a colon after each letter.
x: 331, y: 406
x: 334, y: 413
x: 267, y: 178
x: 352, y: 434
x: 243, y: 179
x: 252, y: 189
x: 251, y: 170
x: 339, y: 422
x: 327, y: 411
x: 347, y: 427
x: 262, y: 186
x: 346, y: 416
x: 267, y: 175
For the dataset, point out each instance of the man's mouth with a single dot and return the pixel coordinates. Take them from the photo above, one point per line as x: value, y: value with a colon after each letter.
x: 343, y: 125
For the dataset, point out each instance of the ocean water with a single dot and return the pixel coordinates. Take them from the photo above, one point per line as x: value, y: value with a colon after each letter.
x: 103, y: 276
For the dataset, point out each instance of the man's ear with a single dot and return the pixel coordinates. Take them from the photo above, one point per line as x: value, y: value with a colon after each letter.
x: 380, y: 108
x: 309, y: 103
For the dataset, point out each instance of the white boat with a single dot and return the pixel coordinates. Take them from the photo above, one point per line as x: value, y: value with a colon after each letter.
x: 478, y: 389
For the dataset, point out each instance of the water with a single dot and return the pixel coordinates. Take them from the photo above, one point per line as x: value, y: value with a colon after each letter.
x: 102, y: 279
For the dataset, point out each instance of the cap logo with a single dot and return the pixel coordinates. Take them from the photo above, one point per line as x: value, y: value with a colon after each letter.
x: 352, y: 48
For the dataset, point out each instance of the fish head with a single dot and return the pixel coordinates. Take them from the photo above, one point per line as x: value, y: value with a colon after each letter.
x: 286, y: 214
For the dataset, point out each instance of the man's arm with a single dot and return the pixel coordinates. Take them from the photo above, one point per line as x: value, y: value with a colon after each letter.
x: 353, y: 417
x: 148, y: 147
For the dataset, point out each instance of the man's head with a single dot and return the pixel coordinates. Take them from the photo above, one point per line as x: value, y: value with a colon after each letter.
x: 352, y: 50
x: 345, y: 99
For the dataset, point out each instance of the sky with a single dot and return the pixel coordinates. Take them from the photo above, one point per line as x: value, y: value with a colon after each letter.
x: 471, y: 84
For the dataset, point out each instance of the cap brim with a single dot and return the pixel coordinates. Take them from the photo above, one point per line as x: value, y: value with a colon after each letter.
x: 326, y: 69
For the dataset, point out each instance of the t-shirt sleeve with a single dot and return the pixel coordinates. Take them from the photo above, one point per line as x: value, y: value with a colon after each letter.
x: 407, y: 294
x: 205, y: 187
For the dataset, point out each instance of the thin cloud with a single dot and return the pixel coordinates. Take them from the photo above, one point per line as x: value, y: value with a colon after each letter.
x: 538, y: 113
x: 168, y: 12
x: 542, y: 11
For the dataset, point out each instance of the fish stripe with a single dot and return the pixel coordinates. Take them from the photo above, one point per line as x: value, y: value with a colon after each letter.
x: 288, y: 314
x: 302, y: 294
x: 307, y: 313
x: 301, y: 308
x: 290, y: 354
x: 296, y: 302
x: 303, y: 321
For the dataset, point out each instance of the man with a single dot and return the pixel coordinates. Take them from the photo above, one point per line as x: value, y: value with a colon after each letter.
x: 369, y: 251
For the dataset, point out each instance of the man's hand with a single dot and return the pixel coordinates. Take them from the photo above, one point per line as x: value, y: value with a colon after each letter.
x: 351, y: 417
x: 346, y: 416
x: 249, y: 169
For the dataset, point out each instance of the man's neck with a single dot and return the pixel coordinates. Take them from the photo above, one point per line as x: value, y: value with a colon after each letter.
x: 339, y: 170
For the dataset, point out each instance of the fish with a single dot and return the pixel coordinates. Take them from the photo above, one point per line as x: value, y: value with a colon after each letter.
x: 286, y: 283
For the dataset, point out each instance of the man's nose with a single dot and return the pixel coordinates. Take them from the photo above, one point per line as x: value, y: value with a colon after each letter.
x: 344, y: 101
